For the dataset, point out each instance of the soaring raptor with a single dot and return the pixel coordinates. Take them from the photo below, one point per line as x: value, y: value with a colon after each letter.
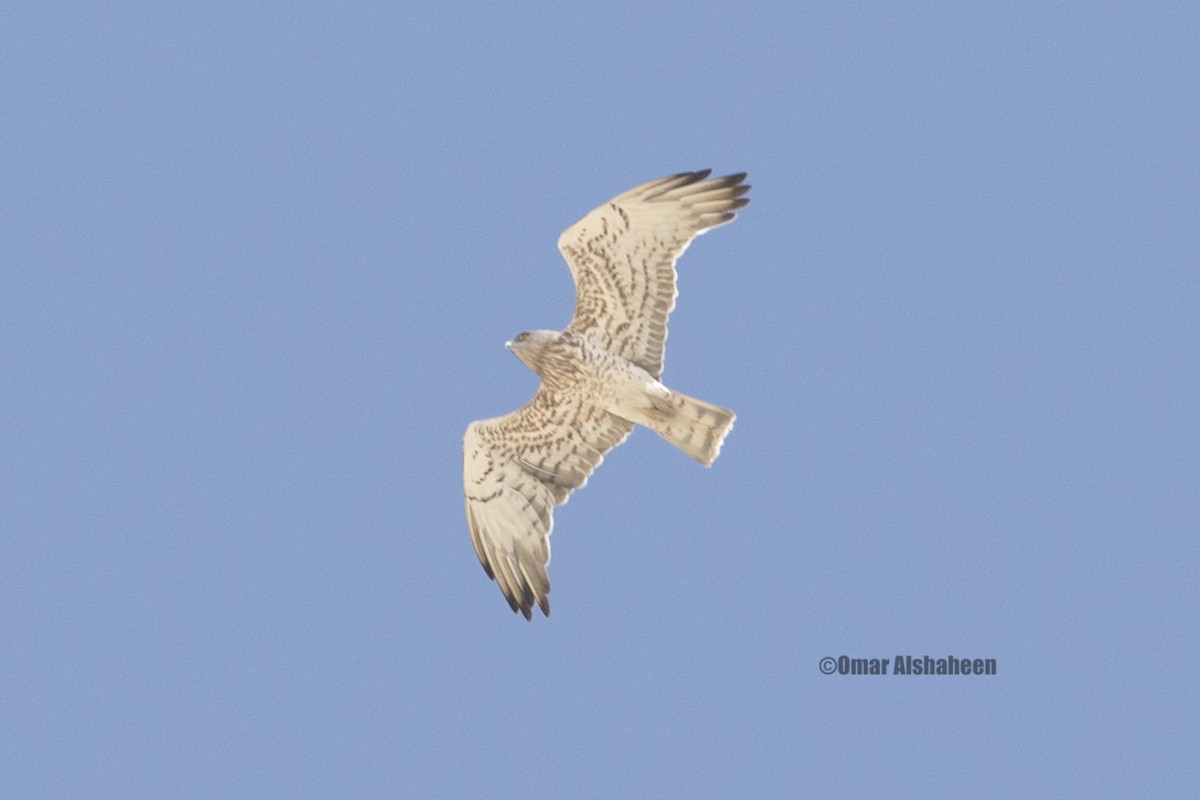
x: 600, y: 377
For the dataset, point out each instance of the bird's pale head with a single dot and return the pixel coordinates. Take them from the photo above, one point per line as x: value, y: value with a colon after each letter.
x: 534, y: 348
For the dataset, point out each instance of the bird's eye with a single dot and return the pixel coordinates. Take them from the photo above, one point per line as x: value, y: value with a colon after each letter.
x: 522, y: 337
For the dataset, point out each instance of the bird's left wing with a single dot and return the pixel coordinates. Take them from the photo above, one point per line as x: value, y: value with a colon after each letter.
x: 516, y: 468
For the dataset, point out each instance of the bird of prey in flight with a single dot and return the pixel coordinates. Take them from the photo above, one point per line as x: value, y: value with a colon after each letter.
x: 600, y: 377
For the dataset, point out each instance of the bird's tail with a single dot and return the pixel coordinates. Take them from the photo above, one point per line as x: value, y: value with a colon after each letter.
x: 694, y: 426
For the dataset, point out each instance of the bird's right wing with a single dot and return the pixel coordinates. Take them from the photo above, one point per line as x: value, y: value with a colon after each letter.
x: 516, y: 468
x: 622, y: 256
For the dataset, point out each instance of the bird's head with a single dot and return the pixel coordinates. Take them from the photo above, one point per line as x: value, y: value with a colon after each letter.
x: 531, y: 347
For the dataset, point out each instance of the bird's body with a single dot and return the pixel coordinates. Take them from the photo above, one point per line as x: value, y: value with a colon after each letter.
x: 573, y: 363
x: 600, y: 377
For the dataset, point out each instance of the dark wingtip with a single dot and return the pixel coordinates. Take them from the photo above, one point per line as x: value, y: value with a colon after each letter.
x: 701, y: 174
x: 512, y: 603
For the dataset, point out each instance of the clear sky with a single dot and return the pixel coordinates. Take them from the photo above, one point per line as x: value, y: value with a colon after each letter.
x: 258, y: 267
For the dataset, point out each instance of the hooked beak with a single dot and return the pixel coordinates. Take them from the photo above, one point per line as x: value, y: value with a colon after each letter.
x: 508, y: 345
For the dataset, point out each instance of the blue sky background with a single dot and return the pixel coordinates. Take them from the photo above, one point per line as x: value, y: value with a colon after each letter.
x: 259, y: 263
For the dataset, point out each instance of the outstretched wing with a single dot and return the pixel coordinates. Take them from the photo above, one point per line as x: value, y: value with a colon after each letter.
x: 516, y: 468
x: 623, y: 255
